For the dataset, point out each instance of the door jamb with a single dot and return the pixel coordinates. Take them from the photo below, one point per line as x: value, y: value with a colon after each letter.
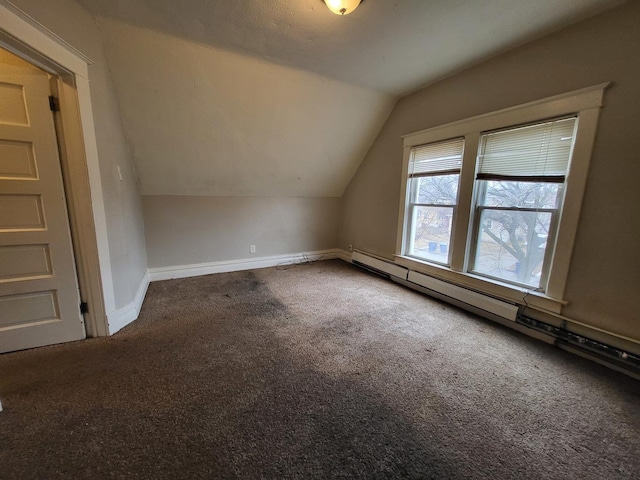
x: 25, y: 37
x: 77, y: 192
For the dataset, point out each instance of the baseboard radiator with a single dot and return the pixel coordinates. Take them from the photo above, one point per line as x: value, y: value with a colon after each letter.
x: 476, y: 302
x: 379, y: 267
x: 491, y: 308
x: 567, y: 340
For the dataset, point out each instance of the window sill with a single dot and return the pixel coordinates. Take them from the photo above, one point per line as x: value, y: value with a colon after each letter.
x: 503, y: 291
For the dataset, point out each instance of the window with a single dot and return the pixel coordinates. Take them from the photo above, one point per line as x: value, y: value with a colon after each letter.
x: 519, y: 185
x: 434, y: 173
x: 492, y: 202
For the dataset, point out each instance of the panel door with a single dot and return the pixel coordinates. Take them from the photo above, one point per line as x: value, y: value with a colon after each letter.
x: 39, y: 299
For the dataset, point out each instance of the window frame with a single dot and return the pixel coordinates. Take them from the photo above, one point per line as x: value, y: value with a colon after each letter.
x: 411, y: 207
x: 586, y: 104
x: 412, y: 202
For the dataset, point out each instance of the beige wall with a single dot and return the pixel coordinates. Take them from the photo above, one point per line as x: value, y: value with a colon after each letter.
x: 605, y: 269
x: 233, y: 150
x: 184, y: 230
x: 125, y: 227
x: 206, y: 121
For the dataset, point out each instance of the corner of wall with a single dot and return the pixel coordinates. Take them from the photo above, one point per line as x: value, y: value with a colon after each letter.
x: 118, y: 319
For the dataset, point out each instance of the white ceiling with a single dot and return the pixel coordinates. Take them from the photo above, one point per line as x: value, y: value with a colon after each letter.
x: 393, y: 46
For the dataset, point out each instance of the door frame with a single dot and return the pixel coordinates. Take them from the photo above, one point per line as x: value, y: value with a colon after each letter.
x: 28, y: 39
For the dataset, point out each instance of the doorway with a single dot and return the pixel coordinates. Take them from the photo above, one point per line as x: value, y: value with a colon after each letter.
x: 78, y: 155
x: 39, y: 295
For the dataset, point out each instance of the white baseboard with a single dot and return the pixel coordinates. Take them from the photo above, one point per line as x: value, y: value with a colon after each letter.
x: 118, y: 319
x: 184, y: 271
x: 345, y: 255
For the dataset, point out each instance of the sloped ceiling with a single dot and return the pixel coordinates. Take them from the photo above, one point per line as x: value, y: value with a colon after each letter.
x: 281, y: 97
x: 207, y: 121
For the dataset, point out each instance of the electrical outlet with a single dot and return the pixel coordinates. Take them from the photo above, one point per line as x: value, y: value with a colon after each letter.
x: 252, y: 249
x: 350, y: 248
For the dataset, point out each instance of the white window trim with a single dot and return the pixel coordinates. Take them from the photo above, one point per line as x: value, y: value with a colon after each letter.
x: 586, y: 103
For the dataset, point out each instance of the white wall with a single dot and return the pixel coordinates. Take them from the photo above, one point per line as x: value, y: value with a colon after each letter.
x: 125, y: 226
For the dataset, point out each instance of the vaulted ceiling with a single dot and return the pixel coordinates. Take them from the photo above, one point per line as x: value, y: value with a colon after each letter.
x: 282, y: 97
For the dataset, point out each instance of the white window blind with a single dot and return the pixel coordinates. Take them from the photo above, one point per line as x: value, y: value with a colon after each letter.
x: 539, y: 152
x: 441, y: 157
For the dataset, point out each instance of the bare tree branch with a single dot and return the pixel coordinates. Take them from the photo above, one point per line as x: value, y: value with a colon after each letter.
x: 499, y: 241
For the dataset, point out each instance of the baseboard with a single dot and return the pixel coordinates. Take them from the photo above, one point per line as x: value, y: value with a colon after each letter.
x: 195, y: 270
x: 345, y: 255
x: 118, y: 319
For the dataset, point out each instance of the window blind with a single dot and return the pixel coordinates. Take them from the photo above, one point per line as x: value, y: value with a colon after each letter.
x: 438, y: 157
x: 538, y: 152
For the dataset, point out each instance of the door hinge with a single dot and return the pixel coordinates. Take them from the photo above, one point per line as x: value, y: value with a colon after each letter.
x: 54, y: 104
x: 84, y: 308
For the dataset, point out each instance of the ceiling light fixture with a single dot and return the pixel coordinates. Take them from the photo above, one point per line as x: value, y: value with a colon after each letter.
x: 342, y: 7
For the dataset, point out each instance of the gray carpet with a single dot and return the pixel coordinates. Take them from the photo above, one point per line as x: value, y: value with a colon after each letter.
x: 314, y: 371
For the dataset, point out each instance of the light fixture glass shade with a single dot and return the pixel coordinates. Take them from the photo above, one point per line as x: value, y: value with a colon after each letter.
x: 342, y: 7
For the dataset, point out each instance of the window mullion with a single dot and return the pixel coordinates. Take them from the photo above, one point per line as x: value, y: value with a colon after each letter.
x: 461, y: 221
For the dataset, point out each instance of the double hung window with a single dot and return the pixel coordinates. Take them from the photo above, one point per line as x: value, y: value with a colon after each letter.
x: 493, y: 202
x: 519, y: 185
x: 434, y: 174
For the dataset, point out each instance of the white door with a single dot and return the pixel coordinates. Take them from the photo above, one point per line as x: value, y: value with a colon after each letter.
x: 39, y: 299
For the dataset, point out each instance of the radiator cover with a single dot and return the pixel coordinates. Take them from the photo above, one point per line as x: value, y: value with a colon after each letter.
x: 380, y: 265
x: 475, y: 299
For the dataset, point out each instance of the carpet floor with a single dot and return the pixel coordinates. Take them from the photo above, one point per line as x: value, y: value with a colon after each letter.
x: 313, y: 371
